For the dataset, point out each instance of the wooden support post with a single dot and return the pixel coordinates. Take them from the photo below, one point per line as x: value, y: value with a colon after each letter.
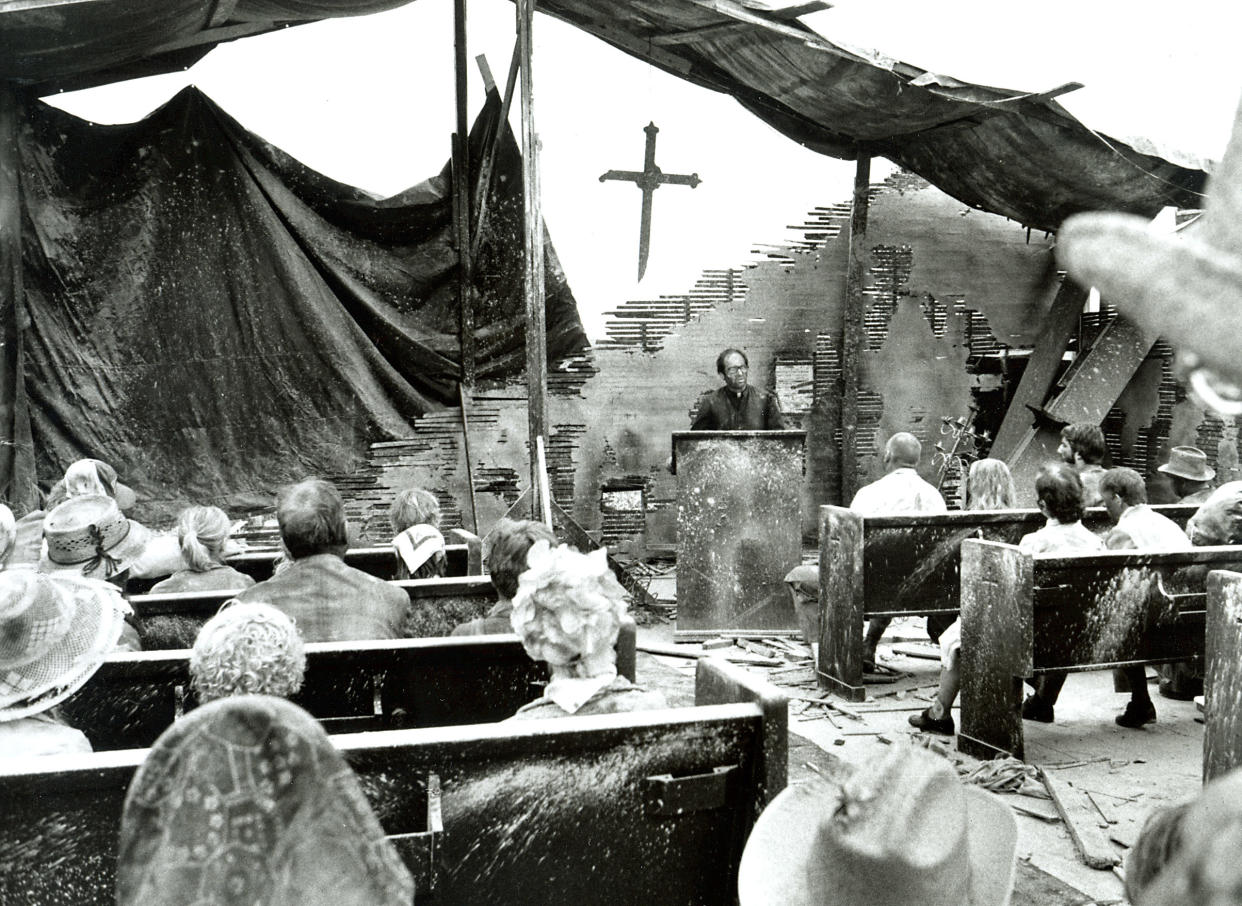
x: 465, y: 434
x: 17, y: 476
x: 536, y: 328
x: 1042, y: 368
x: 483, y: 190
x: 852, y: 336
x: 461, y: 199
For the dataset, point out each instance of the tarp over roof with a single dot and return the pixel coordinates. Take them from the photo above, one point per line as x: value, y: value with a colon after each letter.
x: 1010, y: 152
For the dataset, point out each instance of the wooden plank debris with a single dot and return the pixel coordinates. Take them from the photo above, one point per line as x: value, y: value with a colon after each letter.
x: 921, y: 652
x: 1081, y: 819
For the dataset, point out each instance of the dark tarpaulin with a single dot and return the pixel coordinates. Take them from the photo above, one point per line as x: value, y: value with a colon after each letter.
x: 215, y: 318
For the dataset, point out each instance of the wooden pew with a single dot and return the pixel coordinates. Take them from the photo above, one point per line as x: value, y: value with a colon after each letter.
x: 350, y: 686
x: 436, y: 607
x: 1222, y: 676
x: 463, y: 552
x: 643, y: 807
x: 1023, y: 616
x: 893, y: 566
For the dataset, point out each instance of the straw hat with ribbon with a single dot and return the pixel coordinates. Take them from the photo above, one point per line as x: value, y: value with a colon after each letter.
x: 91, y: 536
x: 898, y: 831
x: 54, y: 634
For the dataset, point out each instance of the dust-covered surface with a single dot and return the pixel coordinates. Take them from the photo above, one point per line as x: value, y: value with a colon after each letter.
x: 1222, y: 750
x: 739, y: 530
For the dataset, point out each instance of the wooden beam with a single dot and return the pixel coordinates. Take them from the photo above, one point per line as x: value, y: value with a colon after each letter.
x: 852, y: 334
x: 17, y: 474
x: 483, y: 189
x: 536, y: 327
x: 1042, y: 368
x: 461, y: 200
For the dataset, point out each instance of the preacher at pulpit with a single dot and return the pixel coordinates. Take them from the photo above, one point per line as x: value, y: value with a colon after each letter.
x: 737, y: 406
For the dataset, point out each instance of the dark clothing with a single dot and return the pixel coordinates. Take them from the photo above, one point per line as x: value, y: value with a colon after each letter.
x: 751, y: 410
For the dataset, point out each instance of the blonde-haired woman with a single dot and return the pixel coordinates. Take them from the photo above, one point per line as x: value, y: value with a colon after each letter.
x: 415, y: 519
x: 989, y: 486
x: 202, y: 532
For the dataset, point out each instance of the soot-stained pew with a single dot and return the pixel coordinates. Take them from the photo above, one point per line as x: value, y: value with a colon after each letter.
x: 893, y: 566
x: 642, y: 807
x: 1023, y: 616
x: 436, y: 606
x: 1222, y: 675
x: 349, y: 686
x: 463, y: 552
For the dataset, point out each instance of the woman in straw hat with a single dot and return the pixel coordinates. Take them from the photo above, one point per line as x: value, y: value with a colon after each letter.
x: 246, y: 800
x: 54, y: 634
x: 567, y: 612
x: 897, y: 831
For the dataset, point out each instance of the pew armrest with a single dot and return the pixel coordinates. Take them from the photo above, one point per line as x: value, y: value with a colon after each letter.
x: 474, y: 549
x: 717, y: 682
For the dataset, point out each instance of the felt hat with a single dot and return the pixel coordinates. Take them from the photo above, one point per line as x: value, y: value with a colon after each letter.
x: 1184, y: 286
x: 54, y: 634
x: 90, y: 535
x: 1189, y: 463
x: 900, y: 830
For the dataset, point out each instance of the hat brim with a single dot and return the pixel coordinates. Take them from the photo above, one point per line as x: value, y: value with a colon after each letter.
x: 125, y: 497
x: 1209, y: 473
x: 783, y: 865
x: 125, y: 553
x: 93, y: 633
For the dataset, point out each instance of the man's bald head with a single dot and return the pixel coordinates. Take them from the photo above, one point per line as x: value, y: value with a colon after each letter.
x: 903, y: 451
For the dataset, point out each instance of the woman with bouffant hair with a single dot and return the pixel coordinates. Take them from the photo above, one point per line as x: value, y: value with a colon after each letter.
x: 247, y: 649
x: 202, y: 532
x: 567, y: 612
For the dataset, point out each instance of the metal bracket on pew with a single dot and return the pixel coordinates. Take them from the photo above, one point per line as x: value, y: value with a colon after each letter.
x: 420, y: 850
x: 667, y: 795
x: 1177, y: 600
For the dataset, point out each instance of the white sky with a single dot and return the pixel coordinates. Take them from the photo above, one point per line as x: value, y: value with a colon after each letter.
x: 369, y: 101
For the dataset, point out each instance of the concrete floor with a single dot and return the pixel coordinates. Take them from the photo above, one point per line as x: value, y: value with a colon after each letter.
x: 1129, y: 772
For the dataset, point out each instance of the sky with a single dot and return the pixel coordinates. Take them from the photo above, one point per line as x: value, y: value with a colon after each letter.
x: 370, y: 101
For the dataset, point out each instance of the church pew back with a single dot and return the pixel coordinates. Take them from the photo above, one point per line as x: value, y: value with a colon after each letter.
x: 628, y: 808
x: 349, y: 685
x: 889, y: 566
x: 1222, y: 675
x: 1023, y: 616
x: 436, y: 607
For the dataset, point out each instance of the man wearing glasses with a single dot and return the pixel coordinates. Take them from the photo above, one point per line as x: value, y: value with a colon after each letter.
x: 737, y: 406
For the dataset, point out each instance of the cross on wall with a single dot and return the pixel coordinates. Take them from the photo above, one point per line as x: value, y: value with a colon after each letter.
x: 649, y: 179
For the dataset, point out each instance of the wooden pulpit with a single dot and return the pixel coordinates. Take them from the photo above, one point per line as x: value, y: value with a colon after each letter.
x: 739, y: 531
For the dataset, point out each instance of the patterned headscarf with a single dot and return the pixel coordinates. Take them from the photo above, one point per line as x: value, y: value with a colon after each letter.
x: 246, y: 801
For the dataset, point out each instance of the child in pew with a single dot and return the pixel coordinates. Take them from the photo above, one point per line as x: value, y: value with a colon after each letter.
x: 202, y: 533
x: 247, y: 649
x: 567, y: 612
x: 1059, y: 490
x: 246, y: 800
x: 55, y: 631
x: 415, y: 519
x: 900, y: 830
x: 507, y: 546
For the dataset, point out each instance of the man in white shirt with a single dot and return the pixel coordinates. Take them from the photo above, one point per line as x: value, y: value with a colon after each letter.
x: 901, y: 491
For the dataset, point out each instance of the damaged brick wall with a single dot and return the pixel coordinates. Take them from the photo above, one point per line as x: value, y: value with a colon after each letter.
x: 943, y: 282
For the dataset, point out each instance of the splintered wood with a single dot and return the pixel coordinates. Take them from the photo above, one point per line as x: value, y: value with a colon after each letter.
x: 1083, y: 821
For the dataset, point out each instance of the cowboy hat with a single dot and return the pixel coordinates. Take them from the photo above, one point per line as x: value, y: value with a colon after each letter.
x: 897, y: 831
x: 90, y: 535
x: 1189, y: 463
x: 54, y: 634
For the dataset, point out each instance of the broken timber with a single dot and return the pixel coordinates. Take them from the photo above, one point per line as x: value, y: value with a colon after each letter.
x: 1082, y: 819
